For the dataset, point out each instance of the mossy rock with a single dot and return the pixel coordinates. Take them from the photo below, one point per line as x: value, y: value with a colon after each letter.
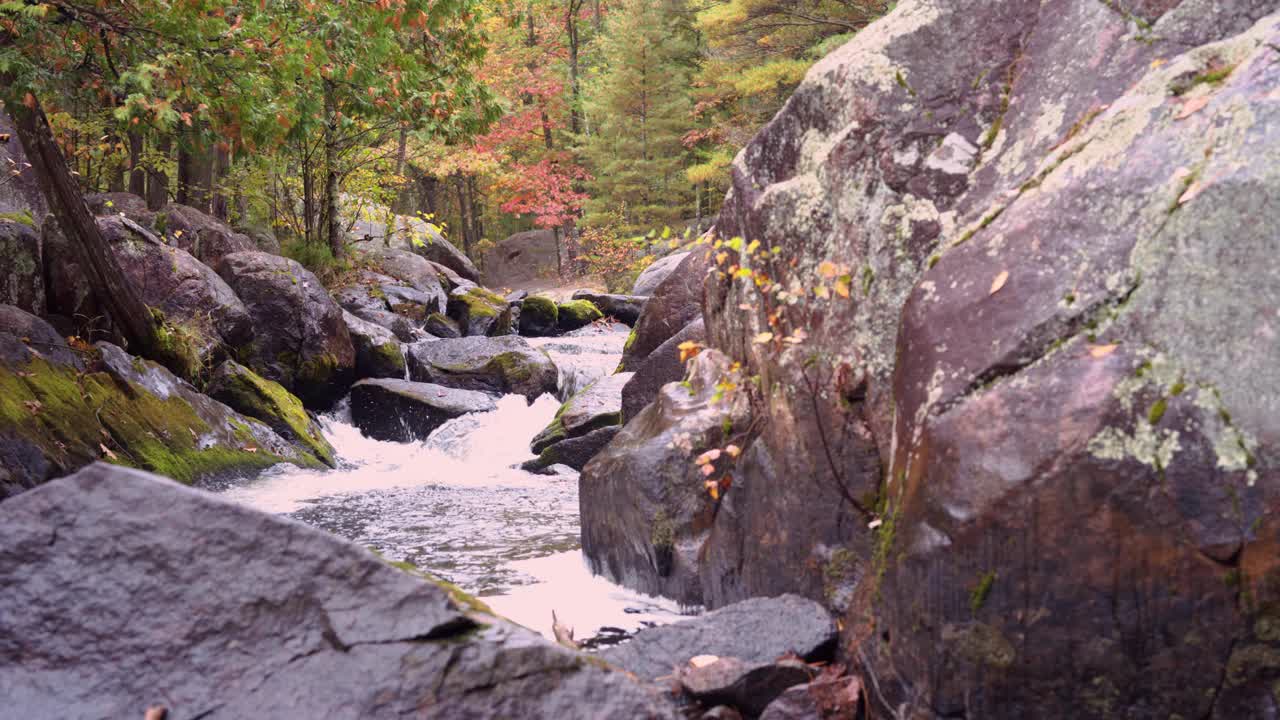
x: 577, y: 314
x: 254, y: 396
x: 129, y: 412
x: 539, y: 317
x: 480, y: 312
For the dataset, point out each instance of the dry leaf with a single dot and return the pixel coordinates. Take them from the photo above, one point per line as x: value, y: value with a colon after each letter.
x: 764, y: 338
x: 733, y: 451
x: 1193, y: 106
x: 828, y: 269
x: 875, y: 524
x: 999, y: 282
x: 1101, y: 351
x: 34, y: 406
x: 822, y: 292
x: 106, y: 452
x: 842, y: 288
x: 701, y: 661
x: 1191, y: 193
x: 250, y: 449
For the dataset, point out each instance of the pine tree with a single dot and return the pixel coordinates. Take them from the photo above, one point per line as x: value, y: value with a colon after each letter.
x: 639, y: 110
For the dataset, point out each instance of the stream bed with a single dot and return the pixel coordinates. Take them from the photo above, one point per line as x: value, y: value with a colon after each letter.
x: 458, y: 506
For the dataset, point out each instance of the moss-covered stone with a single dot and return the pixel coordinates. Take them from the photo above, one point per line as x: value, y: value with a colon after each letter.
x: 250, y: 394
x: 539, y: 316
x: 577, y: 314
x: 75, y: 418
x: 480, y: 312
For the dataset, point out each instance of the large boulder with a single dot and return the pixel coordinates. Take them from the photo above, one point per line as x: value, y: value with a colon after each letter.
x: 363, y: 296
x: 412, y: 270
x: 651, y: 277
x: 674, y: 304
x: 646, y: 511
x: 521, y: 258
x: 249, y: 394
x: 21, y: 263
x: 539, y: 316
x: 253, y: 615
x: 305, y: 345
x: 664, y: 365
x: 1032, y: 412
x: 61, y: 409
x: 403, y: 411
x: 597, y: 407
x: 478, y: 311
x: 434, y: 247
x: 623, y: 308
x: 205, y: 316
x: 379, y: 353
x: 120, y: 203
x: 199, y: 233
x: 20, y: 193
x: 759, y: 630
x: 501, y: 365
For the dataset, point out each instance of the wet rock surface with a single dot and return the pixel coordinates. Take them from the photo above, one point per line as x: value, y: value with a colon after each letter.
x: 480, y: 312
x: 242, y: 390
x: 253, y: 615
x: 403, y: 411
x: 502, y: 365
x: 645, y: 509
x: 749, y: 687
x: 661, y: 367
x: 753, y: 632
x: 379, y: 353
x: 21, y: 264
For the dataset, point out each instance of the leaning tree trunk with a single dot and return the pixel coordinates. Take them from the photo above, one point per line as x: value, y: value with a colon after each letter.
x: 157, y: 179
x: 111, y: 288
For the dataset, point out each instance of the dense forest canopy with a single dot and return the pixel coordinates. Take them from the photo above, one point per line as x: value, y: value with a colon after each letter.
x: 600, y: 120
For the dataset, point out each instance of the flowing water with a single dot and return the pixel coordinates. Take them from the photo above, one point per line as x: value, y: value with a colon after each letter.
x: 458, y: 506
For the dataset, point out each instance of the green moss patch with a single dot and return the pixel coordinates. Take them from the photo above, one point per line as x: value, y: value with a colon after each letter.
x: 578, y: 313
x: 77, y: 418
x: 250, y: 394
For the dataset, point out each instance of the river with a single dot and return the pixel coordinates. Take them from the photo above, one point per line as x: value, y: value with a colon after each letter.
x: 458, y: 505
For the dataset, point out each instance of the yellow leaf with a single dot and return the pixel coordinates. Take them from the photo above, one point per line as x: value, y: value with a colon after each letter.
x: 1101, y: 351
x: 689, y: 350
x: 708, y: 470
x: 999, y: 282
x: 743, y: 273
x: 822, y: 292
x: 733, y: 451
x: 842, y: 288
x: 828, y: 269
x: 713, y: 489
x: 764, y: 338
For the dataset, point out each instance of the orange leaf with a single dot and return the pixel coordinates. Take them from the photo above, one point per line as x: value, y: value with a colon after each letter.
x: 1192, y: 106
x: 999, y: 282
x: 106, y: 452
x: 1101, y: 351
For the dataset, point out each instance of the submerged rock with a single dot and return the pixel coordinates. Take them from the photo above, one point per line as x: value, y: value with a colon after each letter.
x: 756, y: 631
x: 403, y: 411
x: 253, y: 615
x: 574, y: 452
x: 244, y: 391
x: 585, y: 424
x: 305, y: 345
x: 61, y: 409
x: 501, y: 365
x: 623, y: 308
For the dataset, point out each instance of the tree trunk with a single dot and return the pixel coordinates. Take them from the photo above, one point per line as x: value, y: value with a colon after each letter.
x: 221, y: 168
x: 157, y: 180
x: 308, y: 200
x: 111, y: 288
x: 402, y: 150
x: 333, y: 212
x: 195, y: 173
x: 575, y: 87
x: 137, y: 175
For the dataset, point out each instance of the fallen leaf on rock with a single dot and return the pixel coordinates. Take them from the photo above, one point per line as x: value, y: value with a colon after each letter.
x: 1101, y: 351
x: 106, y: 452
x: 1191, y: 193
x: 700, y: 661
x: 1192, y: 106
x: 250, y: 449
x: 33, y: 406
x: 764, y: 338
x: 999, y: 282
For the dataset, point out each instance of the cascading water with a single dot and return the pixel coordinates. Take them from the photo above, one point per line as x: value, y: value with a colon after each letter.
x: 458, y: 505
